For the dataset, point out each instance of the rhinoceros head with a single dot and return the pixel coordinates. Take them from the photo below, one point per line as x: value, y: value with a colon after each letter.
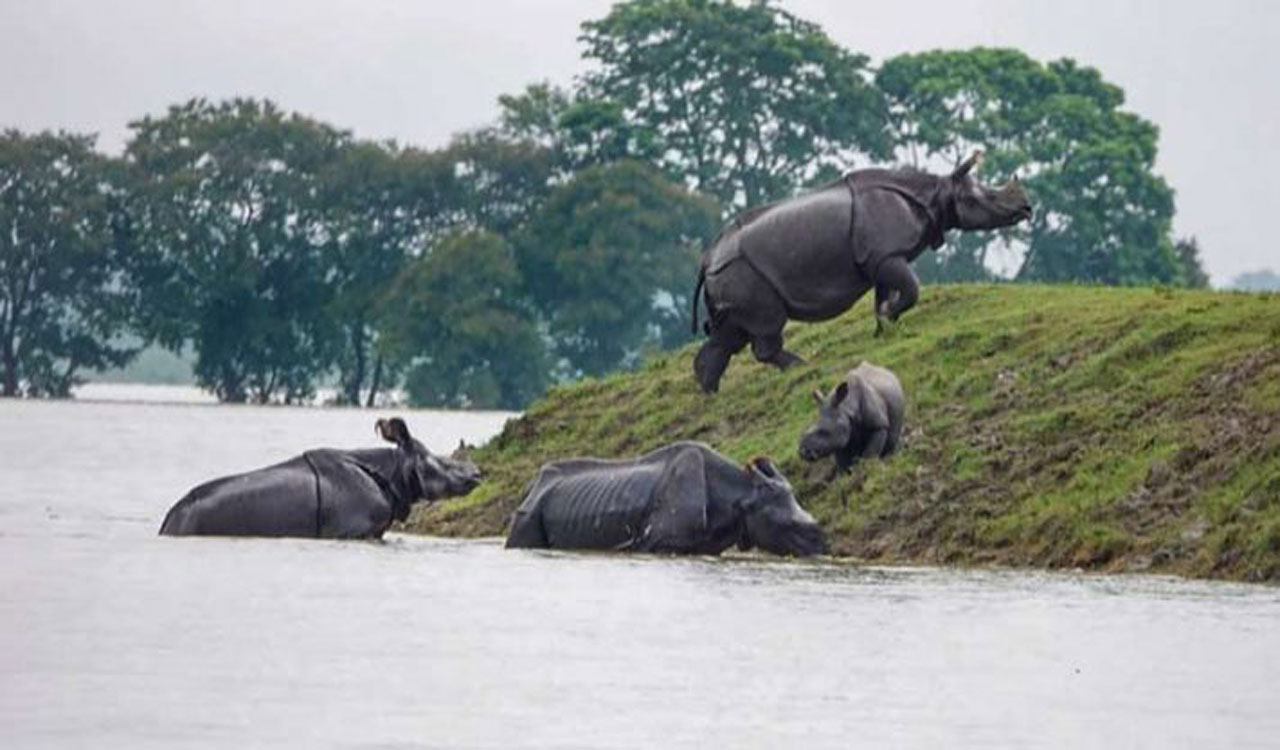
x: 435, y: 476
x: 834, y: 426
x: 980, y: 207
x: 773, y: 520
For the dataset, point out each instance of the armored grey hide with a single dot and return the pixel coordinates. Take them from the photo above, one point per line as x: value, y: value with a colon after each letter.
x: 684, y: 498
x: 860, y: 418
x: 812, y: 257
x: 337, y: 494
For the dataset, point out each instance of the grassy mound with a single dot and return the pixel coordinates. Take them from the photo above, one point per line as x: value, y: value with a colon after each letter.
x: 1116, y: 429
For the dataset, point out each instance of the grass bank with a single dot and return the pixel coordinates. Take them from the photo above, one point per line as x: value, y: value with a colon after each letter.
x: 1109, y: 429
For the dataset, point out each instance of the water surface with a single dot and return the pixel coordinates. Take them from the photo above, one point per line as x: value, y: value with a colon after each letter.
x: 113, y: 637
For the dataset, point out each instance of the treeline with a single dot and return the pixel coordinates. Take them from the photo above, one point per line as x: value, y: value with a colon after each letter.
x: 561, y: 240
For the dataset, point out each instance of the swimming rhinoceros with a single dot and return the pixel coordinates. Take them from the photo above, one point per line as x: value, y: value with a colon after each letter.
x: 342, y: 494
x: 813, y: 256
x: 860, y: 418
x: 683, y: 498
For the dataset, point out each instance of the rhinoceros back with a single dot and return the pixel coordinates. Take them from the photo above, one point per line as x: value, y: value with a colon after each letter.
x: 594, y: 504
x: 278, y: 500
x: 802, y: 248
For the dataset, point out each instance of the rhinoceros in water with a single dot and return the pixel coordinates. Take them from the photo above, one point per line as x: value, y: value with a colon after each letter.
x: 326, y: 493
x: 811, y: 257
x: 684, y: 498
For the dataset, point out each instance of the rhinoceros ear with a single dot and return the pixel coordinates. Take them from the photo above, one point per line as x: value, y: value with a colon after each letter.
x: 818, y: 397
x: 968, y: 165
x: 394, y: 430
x: 764, y: 465
x: 841, y: 391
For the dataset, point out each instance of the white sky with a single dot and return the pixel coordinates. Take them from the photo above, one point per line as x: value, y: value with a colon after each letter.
x: 419, y: 70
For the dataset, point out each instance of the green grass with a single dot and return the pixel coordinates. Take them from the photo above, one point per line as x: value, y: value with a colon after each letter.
x: 1114, y: 429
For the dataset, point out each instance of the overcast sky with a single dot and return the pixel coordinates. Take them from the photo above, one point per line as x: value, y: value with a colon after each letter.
x: 419, y: 70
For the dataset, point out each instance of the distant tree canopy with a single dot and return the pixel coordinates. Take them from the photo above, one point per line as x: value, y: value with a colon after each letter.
x: 743, y: 102
x: 559, y: 241
x: 1262, y: 280
x: 380, y: 207
x: 65, y: 296
x: 227, y: 224
x: 608, y: 259
x: 461, y: 321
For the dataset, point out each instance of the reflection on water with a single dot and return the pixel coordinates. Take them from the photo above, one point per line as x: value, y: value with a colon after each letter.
x: 113, y: 637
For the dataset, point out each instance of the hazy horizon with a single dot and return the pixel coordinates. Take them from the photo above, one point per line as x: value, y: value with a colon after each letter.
x: 420, y: 72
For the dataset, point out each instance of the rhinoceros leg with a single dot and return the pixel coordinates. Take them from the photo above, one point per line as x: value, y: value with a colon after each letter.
x: 763, y: 320
x: 897, y: 290
x: 768, y: 349
x: 746, y: 308
x: 845, y: 458
x: 709, y: 365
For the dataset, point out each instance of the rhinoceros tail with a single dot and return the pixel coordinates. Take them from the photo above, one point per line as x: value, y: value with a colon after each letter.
x: 697, y: 289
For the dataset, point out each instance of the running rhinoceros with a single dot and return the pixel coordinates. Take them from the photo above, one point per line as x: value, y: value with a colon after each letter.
x: 813, y: 256
x: 684, y: 498
x: 326, y: 493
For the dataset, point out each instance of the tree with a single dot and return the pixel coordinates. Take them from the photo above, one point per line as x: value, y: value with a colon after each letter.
x: 578, y: 129
x: 1262, y: 280
x: 229, y: 226
x: 497, y: 180
x: 1193, y: 273
x: 746, y: 103
x: 65, y: 297
x: 379, y: 206
x: 1102, y: 214
x: 464, y: 328
x: 610, y: 259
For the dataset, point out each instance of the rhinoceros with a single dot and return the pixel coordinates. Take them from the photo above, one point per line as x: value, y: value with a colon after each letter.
x: 860, y: 418
x: 326, y: 493
x: 813, y: 256
x: 683, y: 498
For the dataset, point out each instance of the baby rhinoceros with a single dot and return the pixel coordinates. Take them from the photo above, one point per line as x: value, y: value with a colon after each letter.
x: 861, y: 418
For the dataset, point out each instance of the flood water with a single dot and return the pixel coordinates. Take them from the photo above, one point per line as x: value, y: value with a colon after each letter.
x: 111, y: 637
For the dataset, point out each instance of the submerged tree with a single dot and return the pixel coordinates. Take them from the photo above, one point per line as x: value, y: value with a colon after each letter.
x: 229, y: 226
x: 610, y: 258
x: 380, y: 206
x: 463, y: 327
x: 65, y: 296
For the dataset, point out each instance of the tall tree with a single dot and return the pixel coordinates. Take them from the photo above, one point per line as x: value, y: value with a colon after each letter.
x: 1193, y: 273
x: 498, y: 180
x: 379, y: 206
x: 610, y: 257
x: 744, y: 102
x: 1103, y: 214
x: 464, y: 328
x: 578, y: 129
x: 229, y: 226
x: 64, y: 291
